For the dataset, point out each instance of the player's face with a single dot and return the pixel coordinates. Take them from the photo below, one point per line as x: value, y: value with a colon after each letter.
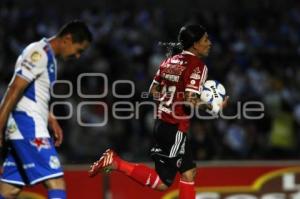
x: 203, y: 46
x: 73, y: 50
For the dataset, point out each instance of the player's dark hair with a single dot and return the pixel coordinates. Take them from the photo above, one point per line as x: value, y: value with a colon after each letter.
x: 79, y: 31
x: 187, y: 36
x: 173, y: 48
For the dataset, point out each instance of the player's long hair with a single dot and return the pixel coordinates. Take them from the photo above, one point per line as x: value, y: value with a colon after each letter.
x: 173, y: 48
x: 187, y: 36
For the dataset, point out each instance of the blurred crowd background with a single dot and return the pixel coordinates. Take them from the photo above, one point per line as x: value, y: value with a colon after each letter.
x: 255, y: 54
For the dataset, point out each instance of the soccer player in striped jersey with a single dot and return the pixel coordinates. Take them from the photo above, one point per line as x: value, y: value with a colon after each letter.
x: 177, y: 82
x: 24, y: 114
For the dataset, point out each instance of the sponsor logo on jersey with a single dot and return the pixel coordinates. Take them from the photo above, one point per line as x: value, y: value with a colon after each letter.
x: 172, y: 78
x: 195, y: 76
x: 41, y: 143
x: 27, y: 64
x: 51, y: 68
x: 176, y: 61
x: 35, y: 56
x: 173, y: 69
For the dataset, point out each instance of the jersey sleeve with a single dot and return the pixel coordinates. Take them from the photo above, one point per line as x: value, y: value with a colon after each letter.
x: 195, y: 78
x: 31, y: 63
x: 157, y: 77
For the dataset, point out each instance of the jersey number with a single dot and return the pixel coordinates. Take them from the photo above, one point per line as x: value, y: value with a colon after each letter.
x: 167, y: 91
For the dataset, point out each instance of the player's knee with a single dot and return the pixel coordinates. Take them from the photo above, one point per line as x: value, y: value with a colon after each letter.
x: 189, y: 176
x: 10, y: 193
x: 162, y: 187
x: 56, y: 183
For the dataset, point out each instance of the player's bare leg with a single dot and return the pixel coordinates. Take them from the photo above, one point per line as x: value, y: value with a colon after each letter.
x: 140, y: 173
x: 55, y: 183
x: 9, y: 191
x: 56, y: 188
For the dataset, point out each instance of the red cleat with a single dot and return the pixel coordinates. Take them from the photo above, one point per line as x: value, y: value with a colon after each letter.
x: 106, y: 163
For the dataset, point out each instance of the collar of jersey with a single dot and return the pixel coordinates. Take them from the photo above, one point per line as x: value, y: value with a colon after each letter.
x: 188, y: 53
x: 48, y: 44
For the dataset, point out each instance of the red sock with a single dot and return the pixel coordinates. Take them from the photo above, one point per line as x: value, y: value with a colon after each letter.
x: 140, y: 173
x: 186, y: 190
x: 125, y: 167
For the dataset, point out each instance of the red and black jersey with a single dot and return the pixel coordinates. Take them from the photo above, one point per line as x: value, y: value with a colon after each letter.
x: 180, y: 73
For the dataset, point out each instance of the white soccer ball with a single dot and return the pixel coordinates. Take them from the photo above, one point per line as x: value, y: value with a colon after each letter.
x: 213, y: 93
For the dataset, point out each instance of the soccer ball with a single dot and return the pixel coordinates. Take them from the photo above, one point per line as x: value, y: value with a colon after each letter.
x: 213, y: 93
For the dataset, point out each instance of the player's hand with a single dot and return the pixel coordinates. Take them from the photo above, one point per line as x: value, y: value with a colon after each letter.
x: 206, y: 106
x: 217, y: 107
x: 1, y: 137
x: 225, y: 102
x: 57, y: 130
x: 58, y: 133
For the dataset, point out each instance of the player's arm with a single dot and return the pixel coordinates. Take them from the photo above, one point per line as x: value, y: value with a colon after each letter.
x: 30, y: 65
x: 194, y: 99
x: 12, y: 96
x: 155, y: 90
x: 57, y: 130
x: 193, y: 80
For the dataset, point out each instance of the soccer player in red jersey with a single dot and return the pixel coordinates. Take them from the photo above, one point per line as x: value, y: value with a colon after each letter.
x: 178, y: 82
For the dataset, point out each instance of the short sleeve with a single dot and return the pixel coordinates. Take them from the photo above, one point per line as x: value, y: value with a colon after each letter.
x: 195, y: 78
x: 157, y: 77
x: 31, y: 63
